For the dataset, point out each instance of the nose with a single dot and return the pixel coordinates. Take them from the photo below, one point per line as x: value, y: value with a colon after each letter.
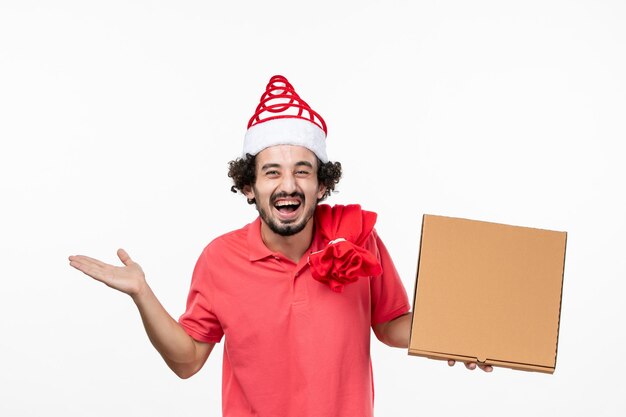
x: 288, y: 183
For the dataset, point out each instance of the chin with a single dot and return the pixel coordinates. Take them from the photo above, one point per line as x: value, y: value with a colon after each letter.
x: 288, y: 229
x: 285, y: 228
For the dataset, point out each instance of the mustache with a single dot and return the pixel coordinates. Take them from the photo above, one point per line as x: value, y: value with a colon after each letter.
x: 285, y: 195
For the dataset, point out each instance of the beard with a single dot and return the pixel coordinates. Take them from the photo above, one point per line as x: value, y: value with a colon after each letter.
x: 286, y: 228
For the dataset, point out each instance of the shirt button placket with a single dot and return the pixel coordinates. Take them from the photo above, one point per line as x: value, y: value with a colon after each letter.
x: 299, y: 288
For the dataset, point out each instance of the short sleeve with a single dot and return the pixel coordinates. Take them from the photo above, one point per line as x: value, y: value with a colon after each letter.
x: 199, y: 319
x: 389, y: 297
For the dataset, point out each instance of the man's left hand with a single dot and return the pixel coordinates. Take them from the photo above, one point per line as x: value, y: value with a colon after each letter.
x: 473, y: 365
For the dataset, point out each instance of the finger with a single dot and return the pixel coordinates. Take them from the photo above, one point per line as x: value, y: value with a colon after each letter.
x: 451, y: 362
x: 86, y: 259
x: 86, y: 262
x: 486, y: 368
x: 470, y: 365
x: 94, y: 271
x: 124, y: 257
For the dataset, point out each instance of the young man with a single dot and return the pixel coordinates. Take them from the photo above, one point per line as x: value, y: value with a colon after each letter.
x: 293, y: 293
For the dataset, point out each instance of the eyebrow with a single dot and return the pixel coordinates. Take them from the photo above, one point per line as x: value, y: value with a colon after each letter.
x: 305, y: 163
x: 275, y: 165
x: 267, y: 166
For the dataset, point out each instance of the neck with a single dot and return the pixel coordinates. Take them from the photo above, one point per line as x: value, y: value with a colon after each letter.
x: 293, y: 247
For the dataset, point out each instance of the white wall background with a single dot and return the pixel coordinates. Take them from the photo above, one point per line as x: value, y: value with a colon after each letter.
x: 117, y: 119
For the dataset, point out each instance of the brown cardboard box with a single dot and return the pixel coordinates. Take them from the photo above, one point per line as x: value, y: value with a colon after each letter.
x: 489, y: 293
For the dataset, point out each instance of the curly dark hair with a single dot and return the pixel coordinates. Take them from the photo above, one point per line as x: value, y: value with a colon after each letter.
x: 243, y: 172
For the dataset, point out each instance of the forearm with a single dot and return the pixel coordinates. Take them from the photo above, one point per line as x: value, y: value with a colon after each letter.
x: 183, y: 355
x: 165, y: 333
x: 396, y: 332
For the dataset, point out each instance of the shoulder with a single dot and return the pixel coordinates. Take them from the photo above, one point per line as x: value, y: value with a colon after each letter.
x: 375, y: 245
x: 233, y: 241
x: 373, y: 240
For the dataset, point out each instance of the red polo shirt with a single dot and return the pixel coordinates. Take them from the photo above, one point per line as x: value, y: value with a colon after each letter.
x: 293, y: 346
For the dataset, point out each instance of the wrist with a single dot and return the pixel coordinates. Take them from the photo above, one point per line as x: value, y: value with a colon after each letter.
x: 142, y: 291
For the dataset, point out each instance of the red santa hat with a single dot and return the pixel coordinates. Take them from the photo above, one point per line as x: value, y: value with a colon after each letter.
x: 283, y: 118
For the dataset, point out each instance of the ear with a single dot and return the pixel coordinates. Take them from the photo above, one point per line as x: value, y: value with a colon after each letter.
x: 321, y: 191
x: 248, y: 191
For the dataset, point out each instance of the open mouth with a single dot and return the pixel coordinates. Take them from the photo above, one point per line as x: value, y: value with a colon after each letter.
x: 287, y: 206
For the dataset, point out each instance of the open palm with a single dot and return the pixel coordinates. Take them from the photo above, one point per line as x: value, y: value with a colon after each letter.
x: 128, y: 279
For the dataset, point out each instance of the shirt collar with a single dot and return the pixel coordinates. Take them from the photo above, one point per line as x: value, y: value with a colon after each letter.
x: 258, y: 250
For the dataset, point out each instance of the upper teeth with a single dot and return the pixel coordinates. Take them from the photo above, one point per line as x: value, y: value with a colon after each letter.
x: 287, y: 203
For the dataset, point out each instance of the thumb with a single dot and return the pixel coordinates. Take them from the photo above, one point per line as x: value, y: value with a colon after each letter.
x: 124, y: 257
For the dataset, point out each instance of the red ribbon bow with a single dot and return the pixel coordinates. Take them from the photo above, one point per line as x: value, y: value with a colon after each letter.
x: 344, y: 230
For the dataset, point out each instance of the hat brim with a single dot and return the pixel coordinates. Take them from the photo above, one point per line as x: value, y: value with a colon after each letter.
x: 286, y: 131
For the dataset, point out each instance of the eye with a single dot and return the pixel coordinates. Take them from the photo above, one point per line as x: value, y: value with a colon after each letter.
x: 302, y: 172
x: 272, y: 173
